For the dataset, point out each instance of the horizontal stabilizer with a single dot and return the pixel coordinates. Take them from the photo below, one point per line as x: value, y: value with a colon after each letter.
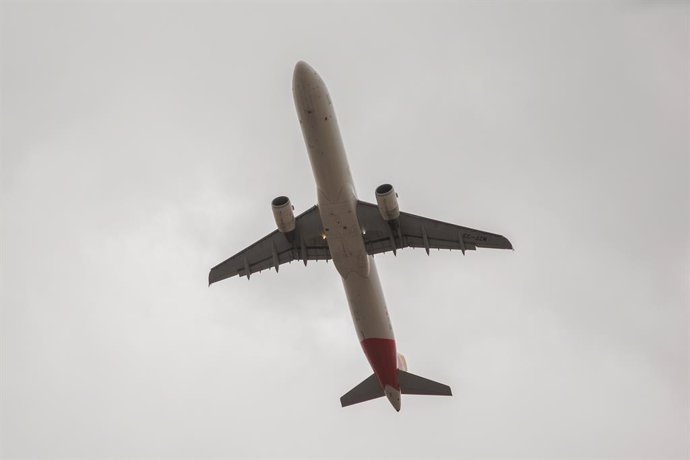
x: 368, y: 389
x: 411, y: 384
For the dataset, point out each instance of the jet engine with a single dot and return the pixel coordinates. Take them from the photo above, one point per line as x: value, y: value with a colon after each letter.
x: 387, y: 200
x: 282, y: 212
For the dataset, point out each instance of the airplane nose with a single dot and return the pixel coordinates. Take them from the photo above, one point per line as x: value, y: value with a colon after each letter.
x: 302, y: 66
x: 308, y: 89
x: 303, y: 71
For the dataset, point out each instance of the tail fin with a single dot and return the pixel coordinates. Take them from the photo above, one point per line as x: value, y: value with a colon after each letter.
x: 410, y: 384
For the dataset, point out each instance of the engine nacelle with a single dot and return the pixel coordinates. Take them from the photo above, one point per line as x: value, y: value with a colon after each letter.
x: 282, y: 212
x: 387, y: 200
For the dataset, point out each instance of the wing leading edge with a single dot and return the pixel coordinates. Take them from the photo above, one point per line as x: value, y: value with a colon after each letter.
x: 276, y: 248
x: 420, y: 232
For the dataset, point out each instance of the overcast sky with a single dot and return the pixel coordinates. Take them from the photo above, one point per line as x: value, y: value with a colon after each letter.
x: 142, y: 144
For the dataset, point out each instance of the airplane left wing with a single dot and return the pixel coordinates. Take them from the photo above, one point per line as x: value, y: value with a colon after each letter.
x: 305, y: 243
x: 421, y: 232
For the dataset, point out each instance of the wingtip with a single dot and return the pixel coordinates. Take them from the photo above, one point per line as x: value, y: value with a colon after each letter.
x: 211, y: 278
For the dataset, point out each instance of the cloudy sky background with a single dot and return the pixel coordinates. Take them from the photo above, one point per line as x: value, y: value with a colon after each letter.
x: 142, y: 144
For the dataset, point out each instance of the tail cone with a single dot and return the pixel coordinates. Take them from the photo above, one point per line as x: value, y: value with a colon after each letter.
x: 393, y: 396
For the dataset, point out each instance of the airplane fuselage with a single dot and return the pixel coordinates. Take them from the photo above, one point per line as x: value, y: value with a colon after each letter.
x: 337, y: 200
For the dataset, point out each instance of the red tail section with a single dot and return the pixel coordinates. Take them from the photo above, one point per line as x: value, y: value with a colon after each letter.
x: 383, y: 359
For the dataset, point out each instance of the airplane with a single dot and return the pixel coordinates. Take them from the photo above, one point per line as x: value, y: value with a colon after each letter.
x: 349, y: 232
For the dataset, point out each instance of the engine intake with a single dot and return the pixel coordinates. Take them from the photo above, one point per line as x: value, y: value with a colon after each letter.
x: 282, y: 213
x: 387, y: 200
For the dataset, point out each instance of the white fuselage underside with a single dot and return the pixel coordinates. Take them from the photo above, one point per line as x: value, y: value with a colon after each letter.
x: 338, y: 205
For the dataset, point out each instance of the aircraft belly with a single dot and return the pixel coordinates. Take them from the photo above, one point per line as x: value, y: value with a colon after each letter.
x: 338, y: 204
x: 344, y: 237
x: 357, y: 269
x: 367, y: 304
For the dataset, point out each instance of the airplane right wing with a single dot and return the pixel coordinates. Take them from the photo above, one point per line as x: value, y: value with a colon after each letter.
x: 276, y: 248
x: 421, y: 232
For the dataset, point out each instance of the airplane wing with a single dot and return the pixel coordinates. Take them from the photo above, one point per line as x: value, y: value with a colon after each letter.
x: 420, y: 232
x: 305, y: 243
